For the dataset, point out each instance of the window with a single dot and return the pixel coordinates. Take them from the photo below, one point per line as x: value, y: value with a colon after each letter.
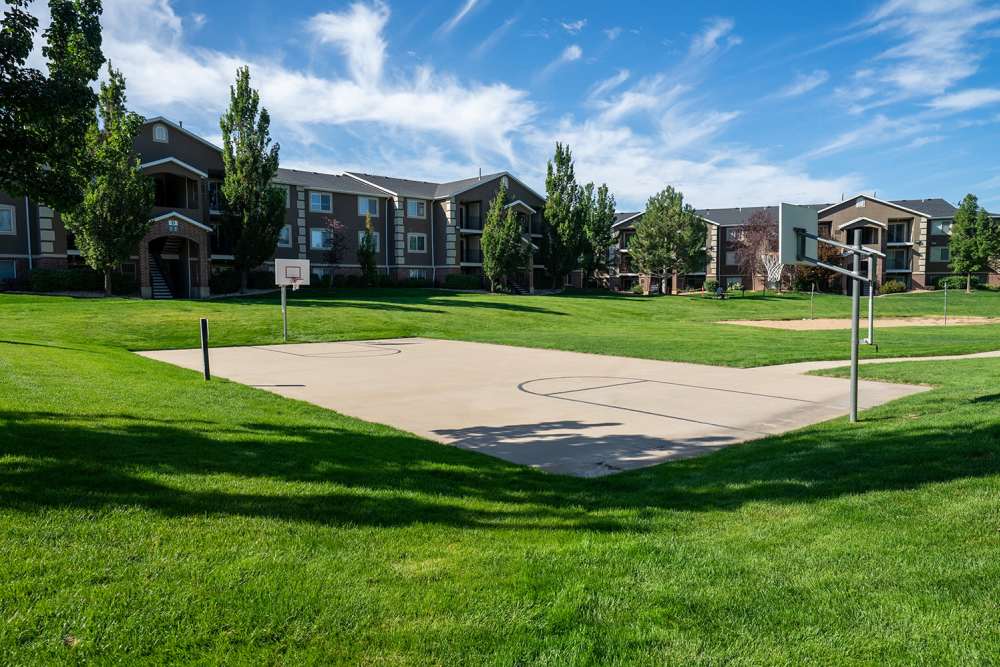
x: 361, y: 239
x: 897, y: 259
x: 288, y: 195
x: 7, y: 219
x: 8, y: 269
x: 321, y: 202
x: 860, y: 203
x: 215, y: 196
x: 173, y: 191
x: 416, y: 242
x: 320, y: 239
x: 285, y: 237
x: 941, y: 228
x: 160, y: 134
x: 473, y: 215
x: 418, y: 274
x: 733, y: 280
x: 368, y: 206
x: 940, y: 253
x: 899, y: 232
x: 416, y: 208
x: 505, y: 182
x: 825, y: 230
x: 731, y: 258
x: 869, y: 236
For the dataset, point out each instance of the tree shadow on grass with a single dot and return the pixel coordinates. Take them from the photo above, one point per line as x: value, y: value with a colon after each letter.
x: 321, y: 471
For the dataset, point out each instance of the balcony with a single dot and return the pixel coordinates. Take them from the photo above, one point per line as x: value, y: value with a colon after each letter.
x: 473, y: 224
x: 472, y: 256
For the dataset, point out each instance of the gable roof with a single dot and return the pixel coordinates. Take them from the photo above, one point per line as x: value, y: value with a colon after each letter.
x: 329, y: 182
x: 934, y: 208
x: 862, y: 195
x: 622, y: 219
x: 182, y: 130
x: 173, y: 160
x: 402, y: 187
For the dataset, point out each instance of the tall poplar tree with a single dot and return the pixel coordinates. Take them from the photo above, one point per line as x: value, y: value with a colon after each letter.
x: 255, y: 208
x: 974, y: 240
x: 598, y: 219
x: 562, y: 239
x: 45, y: 117
x: 115, y: 213
x: 503, y: 245
x: 670, y: 239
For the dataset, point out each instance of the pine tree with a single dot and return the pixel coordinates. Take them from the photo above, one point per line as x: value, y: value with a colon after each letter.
x: 45, y: 117
x: 115, y: 213
x: 503, y: 245
x: 562, y: 241
x: 254, y: 207
x: 973, y: 244
x: 670, y: 239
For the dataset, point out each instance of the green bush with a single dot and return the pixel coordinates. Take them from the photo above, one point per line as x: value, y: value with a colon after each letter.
x: 637, y: 288
x: 893, y: 287
x: 226, y: 281
x: 82, y: 279
x: 461, y: 281
x: 711, y: 286
x: 260, y: 280
x: 956, y: 282
x: 735, y: 287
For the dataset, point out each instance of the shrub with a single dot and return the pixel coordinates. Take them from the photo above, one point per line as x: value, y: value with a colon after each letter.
x: 226, y: 281
x: 461, y: 281
x: 637, y: 288
x: 956, y: 282
x: 711, y: 286
x: 81, y: 279
x: 260, y: 280
x: 893, y: 287
x: 415, y: 283
x: 735, y: 287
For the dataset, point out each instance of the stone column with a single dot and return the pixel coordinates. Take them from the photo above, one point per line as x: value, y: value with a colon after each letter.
x: 300, y: 206
x: 399, y: 231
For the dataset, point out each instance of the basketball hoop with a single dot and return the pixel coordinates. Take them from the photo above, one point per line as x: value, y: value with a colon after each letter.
x: 294, y: 273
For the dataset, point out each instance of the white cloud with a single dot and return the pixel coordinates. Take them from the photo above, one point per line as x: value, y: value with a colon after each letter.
x: 879, y: 130
x: 716, y: 35
x: 602, y: 88
x: 613, y: 33
x: 494, y: 37
x: 462, y: 12
x: 573, y: 27
x: 966, y: 100
x: 357, y: 33
x: 570, y: 54
x: 805, y: 83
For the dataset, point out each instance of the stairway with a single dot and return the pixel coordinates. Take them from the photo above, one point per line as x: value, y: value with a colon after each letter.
x: 161, y: 290
x: 515, y: 288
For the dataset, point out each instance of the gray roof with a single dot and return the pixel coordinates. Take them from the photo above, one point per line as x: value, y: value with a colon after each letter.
x: 425, y: 189
x: 331, y: 182
x: 935, y: 208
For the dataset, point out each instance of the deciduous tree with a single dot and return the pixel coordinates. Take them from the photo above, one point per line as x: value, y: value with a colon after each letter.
x: 758, y: 245
x: 45, y: 117
x: 115, y: 212
x: 254, y: 207
x: 503, y: 246
x: 366, y: 253
x: 670, y: 239
x: 562, y: 240
x: 975, y: 240
x: 598, y: 219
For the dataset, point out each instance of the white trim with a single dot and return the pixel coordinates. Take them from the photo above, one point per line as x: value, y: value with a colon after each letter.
x: 223, y: 257
x: 168, y: 160
x: 310, y: 193
x: 13, y: 220
x: 377, y: 187
x: 161, y: 119
x: 181, y: 216
x: 868, y: 221
x: 515, y: 203
x: 874, y: 199
x: 899, y: 270
x: 413, y: 235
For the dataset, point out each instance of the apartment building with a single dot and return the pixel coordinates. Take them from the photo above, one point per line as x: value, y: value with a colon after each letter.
x: 912, y: 233
x: 422, y: 230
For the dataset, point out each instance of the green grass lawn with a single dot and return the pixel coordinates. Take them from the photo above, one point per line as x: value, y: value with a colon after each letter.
x: 149, y: 516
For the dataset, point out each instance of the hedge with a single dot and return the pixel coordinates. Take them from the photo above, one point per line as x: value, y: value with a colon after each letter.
x: 893, y: 287
x: 81, y: 279
x: 462, y: 281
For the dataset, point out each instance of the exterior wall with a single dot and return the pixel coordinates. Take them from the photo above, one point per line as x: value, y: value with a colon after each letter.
x: 199, y: 261
x: 344, y: 211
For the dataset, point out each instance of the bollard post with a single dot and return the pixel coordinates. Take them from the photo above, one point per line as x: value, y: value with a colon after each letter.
x: 204, y: 347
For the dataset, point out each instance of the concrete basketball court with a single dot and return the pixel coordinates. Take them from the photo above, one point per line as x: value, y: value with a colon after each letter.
x: 562, y: 412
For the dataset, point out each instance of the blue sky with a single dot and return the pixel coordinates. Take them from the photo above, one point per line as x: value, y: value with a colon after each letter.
x: 735, y: 103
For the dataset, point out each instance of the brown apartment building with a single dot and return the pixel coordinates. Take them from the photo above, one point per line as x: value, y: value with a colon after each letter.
x: 912, y: 233
x: 422, y: 230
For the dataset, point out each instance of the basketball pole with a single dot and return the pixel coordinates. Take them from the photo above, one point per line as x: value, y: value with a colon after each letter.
x: 284, y: 313
x: 855, y: 323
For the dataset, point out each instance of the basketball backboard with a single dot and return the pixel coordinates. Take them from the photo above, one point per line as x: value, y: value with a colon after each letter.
x: 792, y: 249
x: 294, y: 272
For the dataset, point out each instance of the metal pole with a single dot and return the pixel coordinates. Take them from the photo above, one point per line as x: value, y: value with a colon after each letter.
x: 872, y: 268
x: 204, y: 347
x: 946, y: 303
x: 812, y: 303
x: 284, y: 313
x: 855, y: 322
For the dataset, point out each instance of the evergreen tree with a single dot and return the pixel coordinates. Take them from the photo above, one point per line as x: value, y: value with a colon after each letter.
x: 115, y: 212
x: 366, y: 253
x: 562, y: 241
x: 670, y: 239
x: 503, y: 245
x: 598, y: 217
x: 45, y: 117
x: 973, y: 244
x: 254, y: 207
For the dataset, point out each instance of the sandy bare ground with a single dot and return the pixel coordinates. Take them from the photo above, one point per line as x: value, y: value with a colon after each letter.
x: 827, y: 324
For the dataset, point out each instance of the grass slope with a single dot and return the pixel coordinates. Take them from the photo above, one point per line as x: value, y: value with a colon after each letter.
x: 148, y: 516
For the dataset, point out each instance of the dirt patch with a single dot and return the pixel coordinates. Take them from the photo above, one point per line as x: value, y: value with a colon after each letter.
x: 828, y: 324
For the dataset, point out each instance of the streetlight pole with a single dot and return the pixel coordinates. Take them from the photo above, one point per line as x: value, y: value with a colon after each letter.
x: 855, y: 320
